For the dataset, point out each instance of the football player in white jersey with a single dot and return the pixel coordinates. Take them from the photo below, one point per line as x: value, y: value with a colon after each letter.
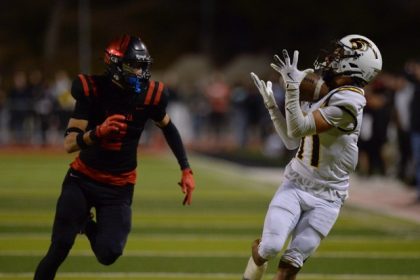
x: 316, y: 180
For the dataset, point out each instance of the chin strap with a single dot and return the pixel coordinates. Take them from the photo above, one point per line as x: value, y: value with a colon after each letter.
x: 134, y: 83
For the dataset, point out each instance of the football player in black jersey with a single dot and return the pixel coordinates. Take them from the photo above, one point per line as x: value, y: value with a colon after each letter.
x: 110, y: 114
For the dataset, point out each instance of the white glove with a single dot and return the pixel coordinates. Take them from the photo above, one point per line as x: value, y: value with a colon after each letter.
x: 291, y: 75
x: 278, y: 119
x: 297, y: 124
x: 266, y: 91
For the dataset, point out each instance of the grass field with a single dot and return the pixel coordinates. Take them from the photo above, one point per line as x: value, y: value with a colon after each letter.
x: 208, y: 240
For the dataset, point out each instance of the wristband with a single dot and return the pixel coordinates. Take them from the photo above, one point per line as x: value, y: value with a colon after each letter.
x: 93, y: 136
x: 80, y: 141
x: 72, y: 129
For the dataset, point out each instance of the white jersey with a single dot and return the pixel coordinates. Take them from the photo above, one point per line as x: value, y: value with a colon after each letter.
x: 324, y: 161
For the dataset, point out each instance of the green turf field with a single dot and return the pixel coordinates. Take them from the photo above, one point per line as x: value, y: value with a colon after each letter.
x: 208, y: 240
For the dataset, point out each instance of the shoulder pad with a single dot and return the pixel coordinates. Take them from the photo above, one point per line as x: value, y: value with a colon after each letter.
x: 349, y: 98
x: 351, y: 89
x: 154, y: 93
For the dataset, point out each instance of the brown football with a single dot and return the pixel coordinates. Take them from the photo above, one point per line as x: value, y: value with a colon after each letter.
x: 312, y: 88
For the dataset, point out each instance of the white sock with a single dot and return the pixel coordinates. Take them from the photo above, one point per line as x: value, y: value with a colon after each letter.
x: 254, y: 272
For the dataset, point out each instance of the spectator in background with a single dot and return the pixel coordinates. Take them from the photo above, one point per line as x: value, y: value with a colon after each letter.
x: 177, y: 108
x: 43, y: 105
x: 257, y: 127
x: 376, y: 118
x: 239, y: 97
x: 60, y: 90
x: 3, y: 128
x: 403, y: 96
x: 20, y: 103
x: 217, y: 93
x: 413, y: 72
x: 199, y: 111
x: 247, y: 111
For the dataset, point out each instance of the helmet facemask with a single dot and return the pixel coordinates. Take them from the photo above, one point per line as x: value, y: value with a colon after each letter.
x: 136, y: 74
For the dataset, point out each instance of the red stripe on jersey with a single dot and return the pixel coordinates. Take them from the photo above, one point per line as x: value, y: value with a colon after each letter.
x: 158, y: 94
x: 85, y: 84
x: 120, y: 180
x: 149, y: 93
x: 92, y: 83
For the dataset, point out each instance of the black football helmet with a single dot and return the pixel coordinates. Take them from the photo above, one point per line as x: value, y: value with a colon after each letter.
x: 128, y: 62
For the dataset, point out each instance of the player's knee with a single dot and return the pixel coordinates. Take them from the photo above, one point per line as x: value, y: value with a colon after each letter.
x: 270, y: 247
x: 107, y: 260
x: 258, y: 260
x: 106, y: 256
x: 107, y: 253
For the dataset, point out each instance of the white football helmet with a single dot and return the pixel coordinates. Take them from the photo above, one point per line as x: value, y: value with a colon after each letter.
x: 353, y: 55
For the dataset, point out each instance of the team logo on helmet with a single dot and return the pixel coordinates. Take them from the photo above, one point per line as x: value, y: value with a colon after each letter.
x: 360, y: 44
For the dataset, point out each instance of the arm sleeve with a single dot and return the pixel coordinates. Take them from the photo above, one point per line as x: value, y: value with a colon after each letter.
x: 175, y: 143
x: 298, y: 125
x: 281, y: 128
x: 81, y: 109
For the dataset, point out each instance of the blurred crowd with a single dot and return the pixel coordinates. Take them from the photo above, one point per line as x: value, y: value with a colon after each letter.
x: 34, y: 109
x: 219, y: 114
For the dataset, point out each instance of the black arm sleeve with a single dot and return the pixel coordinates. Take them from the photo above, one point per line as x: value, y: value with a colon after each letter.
x: 175, y: 143
x: 159, y: 111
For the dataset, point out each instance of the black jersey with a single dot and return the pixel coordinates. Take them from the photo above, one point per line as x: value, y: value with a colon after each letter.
x: 97, y: 97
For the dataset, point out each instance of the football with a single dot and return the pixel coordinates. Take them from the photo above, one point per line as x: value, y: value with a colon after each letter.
x: 312, y: 88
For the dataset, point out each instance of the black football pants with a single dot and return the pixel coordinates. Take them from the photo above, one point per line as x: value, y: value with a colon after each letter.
x: 107, y: 235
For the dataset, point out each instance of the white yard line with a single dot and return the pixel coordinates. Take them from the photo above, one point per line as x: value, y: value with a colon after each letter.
x: 124, y: 275
x: 219, y: 254
x: 171, y: 275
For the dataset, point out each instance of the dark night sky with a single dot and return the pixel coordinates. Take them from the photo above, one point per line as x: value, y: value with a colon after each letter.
x: 221, y: 29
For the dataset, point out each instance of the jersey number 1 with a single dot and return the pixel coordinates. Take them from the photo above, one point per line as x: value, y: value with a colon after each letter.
x: 315, y: 150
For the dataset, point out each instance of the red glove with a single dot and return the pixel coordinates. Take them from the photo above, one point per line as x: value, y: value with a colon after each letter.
x: 113, y: 125
x: 187, y: 185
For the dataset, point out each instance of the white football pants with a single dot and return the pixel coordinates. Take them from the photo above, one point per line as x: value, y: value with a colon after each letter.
x: 307, y: 218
